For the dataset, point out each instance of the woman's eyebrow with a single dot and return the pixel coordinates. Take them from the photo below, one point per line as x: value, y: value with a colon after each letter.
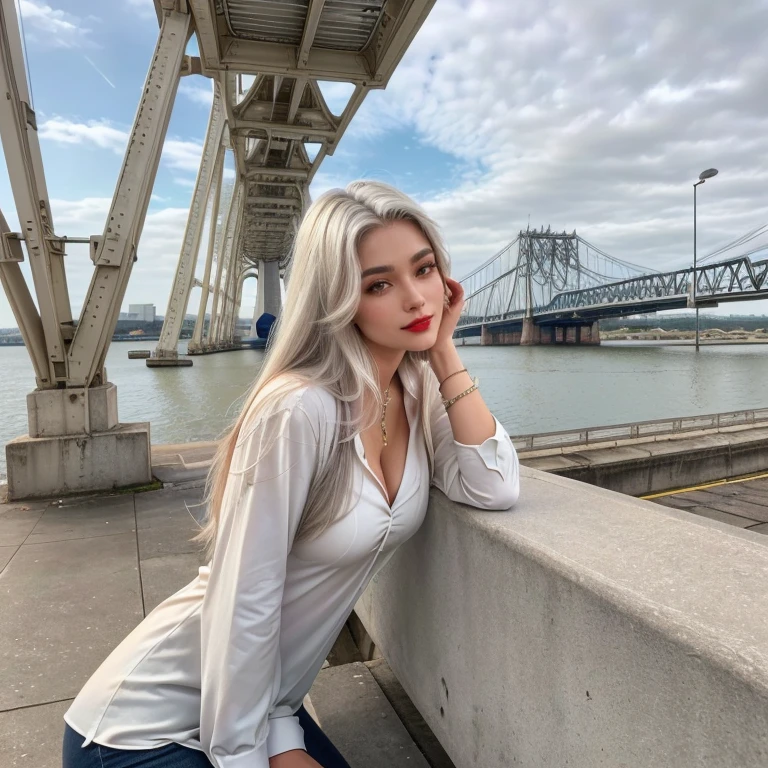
x: 389, y: 268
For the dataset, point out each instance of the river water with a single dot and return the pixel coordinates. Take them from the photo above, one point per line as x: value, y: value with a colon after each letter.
x: 529, y: 389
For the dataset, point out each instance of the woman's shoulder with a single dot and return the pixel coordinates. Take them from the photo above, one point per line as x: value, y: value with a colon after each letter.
x: 296, y: 392
x: 298, y: 398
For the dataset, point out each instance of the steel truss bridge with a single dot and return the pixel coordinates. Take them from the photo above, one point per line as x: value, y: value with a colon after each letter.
x: 560, y: 278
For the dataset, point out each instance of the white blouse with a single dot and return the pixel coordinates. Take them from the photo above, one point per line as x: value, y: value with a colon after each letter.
x: 222, y: 665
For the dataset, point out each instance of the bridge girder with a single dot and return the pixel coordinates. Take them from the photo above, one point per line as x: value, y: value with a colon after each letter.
x: 550, y: 260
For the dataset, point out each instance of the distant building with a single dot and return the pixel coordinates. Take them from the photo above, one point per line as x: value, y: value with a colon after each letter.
x: 144, y: 313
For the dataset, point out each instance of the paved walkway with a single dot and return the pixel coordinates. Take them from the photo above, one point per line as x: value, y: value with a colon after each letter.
x: 743, y: 503
x: 77, y: 575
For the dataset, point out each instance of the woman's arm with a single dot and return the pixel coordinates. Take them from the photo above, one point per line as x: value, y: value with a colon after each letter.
x: 296, y: 758
x: 471, y: 421
x: 475, y: 461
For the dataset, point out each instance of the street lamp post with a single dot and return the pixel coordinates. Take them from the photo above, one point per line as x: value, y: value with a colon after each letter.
x: 703, y: 176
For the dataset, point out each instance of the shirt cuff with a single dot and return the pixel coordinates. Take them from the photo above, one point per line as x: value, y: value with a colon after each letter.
x: 494, y: 451
x: 253, y: 757
x: 284, y: 734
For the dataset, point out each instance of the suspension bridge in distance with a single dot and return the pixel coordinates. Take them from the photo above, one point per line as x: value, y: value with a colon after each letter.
x: 554, y: 288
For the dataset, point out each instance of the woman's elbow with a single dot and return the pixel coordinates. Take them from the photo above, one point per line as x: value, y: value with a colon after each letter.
x: 505, y: 495
x: 498, y: 496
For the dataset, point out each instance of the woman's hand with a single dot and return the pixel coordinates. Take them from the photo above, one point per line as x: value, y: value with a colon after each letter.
x: 294, y: 758
x: 454, y: 303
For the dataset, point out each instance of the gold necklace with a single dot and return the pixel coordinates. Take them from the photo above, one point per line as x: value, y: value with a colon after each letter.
x: 384, y: 416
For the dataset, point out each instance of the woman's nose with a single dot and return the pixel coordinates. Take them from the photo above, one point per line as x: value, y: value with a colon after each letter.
x: 413, y: 297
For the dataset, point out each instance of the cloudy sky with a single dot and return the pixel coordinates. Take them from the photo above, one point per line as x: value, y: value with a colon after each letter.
x: 583, y: 115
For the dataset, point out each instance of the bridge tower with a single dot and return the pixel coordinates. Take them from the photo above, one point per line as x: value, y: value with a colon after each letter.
x: 548, y: 263
x: 531, y: 333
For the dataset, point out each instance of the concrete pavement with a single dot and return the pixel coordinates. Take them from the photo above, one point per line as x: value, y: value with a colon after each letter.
x: 76, y: 575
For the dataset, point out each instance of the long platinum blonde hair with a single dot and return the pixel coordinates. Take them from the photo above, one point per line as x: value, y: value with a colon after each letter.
x: 315, y: 341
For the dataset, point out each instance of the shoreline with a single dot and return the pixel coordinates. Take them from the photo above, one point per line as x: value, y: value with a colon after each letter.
x: 684, y: 342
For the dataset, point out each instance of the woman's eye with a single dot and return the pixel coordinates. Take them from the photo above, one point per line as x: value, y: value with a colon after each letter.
x: 428, y: 267
x: 377, y: 287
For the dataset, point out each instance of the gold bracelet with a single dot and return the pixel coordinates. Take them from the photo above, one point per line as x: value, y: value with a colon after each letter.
x: 449, y: 403
x: 456, y: 373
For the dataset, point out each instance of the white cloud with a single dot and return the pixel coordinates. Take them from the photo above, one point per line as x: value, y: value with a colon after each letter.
x: 182, y: 155
x: 98, y: 132
x: 178, y: 154
x: 197, y: 92
x: 51, y: 27
x: 336, y: 95
x: 324, y: 181
x: 145, y: 8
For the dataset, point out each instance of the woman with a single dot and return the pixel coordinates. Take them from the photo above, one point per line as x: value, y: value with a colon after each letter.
x: 362, y: 401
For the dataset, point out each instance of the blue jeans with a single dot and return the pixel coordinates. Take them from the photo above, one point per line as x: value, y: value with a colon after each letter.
x: 318, y: 746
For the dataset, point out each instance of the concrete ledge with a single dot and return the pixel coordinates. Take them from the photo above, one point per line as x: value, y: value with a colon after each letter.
x: 652, y: 467
x: 52, y: 466
x: 182, y: 462
x: 582, y: 628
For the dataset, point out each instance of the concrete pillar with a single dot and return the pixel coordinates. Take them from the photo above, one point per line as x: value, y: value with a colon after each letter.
x: 269, y: 288
x: 236, y: 309
x: 76, y: 444
x: 588, y: 335
x: 256, y: 315
x: 486, y: 339
x: 531, y: 335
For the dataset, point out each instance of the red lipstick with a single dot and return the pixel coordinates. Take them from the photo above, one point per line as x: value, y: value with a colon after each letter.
x: 419, y: 325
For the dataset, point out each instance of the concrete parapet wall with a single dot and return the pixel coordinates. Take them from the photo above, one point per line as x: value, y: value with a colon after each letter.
x: 581, y: 628
x: 643, y: 467
x: 641, y: 431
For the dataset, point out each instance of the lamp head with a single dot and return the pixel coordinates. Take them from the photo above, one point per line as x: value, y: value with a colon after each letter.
x: 708, y: 174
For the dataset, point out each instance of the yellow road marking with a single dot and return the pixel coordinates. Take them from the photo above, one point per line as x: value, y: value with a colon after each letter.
x: 714, y: 483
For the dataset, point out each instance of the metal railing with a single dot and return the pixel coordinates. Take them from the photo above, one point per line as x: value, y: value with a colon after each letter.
x: 641, y: 429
